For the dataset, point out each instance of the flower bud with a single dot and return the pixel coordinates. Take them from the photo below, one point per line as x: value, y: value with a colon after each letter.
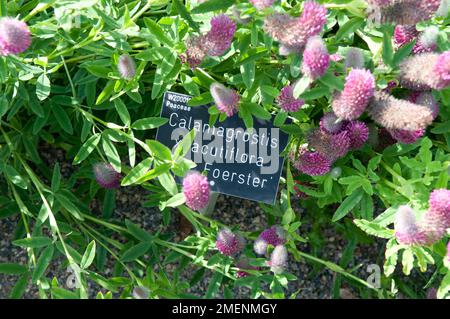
x: 126, y: 67
x: 106, y: 176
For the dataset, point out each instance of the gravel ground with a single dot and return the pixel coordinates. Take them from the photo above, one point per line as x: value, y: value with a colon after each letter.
x: 313, y: 281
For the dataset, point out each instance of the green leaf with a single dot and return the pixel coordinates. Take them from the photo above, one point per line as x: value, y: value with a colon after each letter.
x: 403, y: 52
x: 87, y: 148
x: 67, y: 204
x: 111, y: 153
x: 176, y: 200
x: 181, y: 9
x: 349, y: 28
x: 43, y: 87
x: 20, y: 286
x: 12, y: 269
x: 387, y: 53
x: 348, y: 204
x: 212, y: 5
x: 247, y: 71
x: 14, y: 176
x: 301, y: 86
x: 374, y: 229
x: 258, y: 111
x: 4, y: 105
x: 157, y: 31
x: 56, y: 178
x: 42, y: 263
x: 88, y: 256
x: 159, y: 150
x: 137, y: 172
x: 62, y: 118
x: 214, y: 285
x: 33, y: 242
x: 138, y: 232
x: 149, y: 123
x: 122, y: 111
x: 136, y: 251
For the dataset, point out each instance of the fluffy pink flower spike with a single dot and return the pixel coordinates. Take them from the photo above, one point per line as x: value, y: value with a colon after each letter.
x: 196, y: 190
x: 14, y: 36
x: 315, y: 58
x: 358, y: 90
x: 226, y: 100
x: 286, y: 100
x: 229, y: 243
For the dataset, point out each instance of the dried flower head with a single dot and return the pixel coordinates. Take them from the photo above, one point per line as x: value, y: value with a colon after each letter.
x: 106, y: 176
x: 315, y: 58
x: 358, y: 133
x: 196, y: 190
x: 408, y: 12
x: 278, y: 259
x: 330, y: 123
x: 14, y: 36
x: 195, y: 52
x: 286, y: 100
x: 332, y: 146
x: 228, y: 243
x: 354, y: 58
x: 126, y: 67
x: 393, y: 113
x: 358, y: 90
x: 226, y: 100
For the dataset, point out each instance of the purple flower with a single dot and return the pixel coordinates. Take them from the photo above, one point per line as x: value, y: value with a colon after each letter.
x: 426, y: 71
x: 405, y: 136
x: 218, y: 39
x: 286, y: 100
x: 358, y: 133
x: 228, y: 243
x: 315, y: 58
x: 106, y: 176
x: 406, y: 229
x: 311, y: 163
x: 196, y: 190
x: 14, y: 36
x: 274, y: 236
x: 262, y: 4
x: 403, y: 34
x: 332, y: 146
x: 358, y: 90
x: 331, y: 124
x: 278, y: 259
x: 226, y: 100
x: 214, y: 43
x: 126, y: 67
x: 393, y: 113
x: 408, y: 12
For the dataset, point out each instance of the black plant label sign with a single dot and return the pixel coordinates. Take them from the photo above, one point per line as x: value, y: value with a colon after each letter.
x: 240, y: 162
